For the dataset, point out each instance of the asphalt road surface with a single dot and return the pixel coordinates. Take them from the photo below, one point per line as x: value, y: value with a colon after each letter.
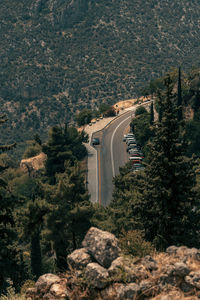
x: 111, y: 154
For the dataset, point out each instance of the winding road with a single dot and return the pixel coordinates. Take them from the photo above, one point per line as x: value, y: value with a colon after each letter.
x: 111, y: 154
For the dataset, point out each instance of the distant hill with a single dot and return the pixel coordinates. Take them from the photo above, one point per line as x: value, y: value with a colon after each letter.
x: 59, y: 56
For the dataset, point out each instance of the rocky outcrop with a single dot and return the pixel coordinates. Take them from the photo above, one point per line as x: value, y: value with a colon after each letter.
x: 33, y: 164
x: 102, y: 245
x: 174, y: 274
x: 79, y: 259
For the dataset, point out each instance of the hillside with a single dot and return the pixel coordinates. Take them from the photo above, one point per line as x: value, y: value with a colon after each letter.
x: 58, y: 57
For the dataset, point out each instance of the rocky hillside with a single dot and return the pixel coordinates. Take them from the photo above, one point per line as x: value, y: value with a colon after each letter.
x: 58, y: 56
x: 100, y: 271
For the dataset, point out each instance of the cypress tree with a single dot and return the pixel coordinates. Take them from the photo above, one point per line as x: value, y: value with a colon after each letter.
x: 167, y: 208
x: 151, y: 114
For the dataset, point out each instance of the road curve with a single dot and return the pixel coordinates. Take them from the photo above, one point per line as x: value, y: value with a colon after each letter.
x: 111, y: 155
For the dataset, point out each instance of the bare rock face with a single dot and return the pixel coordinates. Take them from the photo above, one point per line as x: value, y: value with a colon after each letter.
x: 79, y: 259
x: 96, y: 275
x: 33, y: 164
x: 102, y: 245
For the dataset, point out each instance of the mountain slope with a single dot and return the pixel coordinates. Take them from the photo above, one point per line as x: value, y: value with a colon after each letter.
x: 59, y: 56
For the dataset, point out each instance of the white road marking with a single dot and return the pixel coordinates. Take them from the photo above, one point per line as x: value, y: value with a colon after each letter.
x: 111, y: 144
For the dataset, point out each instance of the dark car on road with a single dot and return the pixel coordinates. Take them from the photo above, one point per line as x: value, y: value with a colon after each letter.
x: 95, y: 141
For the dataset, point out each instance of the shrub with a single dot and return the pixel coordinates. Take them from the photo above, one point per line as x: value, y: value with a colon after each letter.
x: 132, y: 242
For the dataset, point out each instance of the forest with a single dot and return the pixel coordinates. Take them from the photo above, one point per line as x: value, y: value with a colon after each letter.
x: 45, y: 215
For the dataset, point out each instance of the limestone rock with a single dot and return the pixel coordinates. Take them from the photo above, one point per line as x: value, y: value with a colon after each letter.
x: 130, y: 291
x: 171, y: 250
x: 179, y: 269
x: 45, y: 282
x: 102, y: 245
x: 124, y: 267
x: 79, y: 259
x: 33, y: 164
x: 193, y: 279
x: 149, y: 263
x: 114, y: 291
x: 96, y: 275
x: 59, y: 291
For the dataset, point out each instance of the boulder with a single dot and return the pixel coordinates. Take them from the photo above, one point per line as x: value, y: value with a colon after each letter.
x: 130, y: 291
x: 193, y: 279
x: 79, y: 259
x: 96, y: 275
x: 171, y: 250
x: 149, y: 263
x: 122, y: 269
x: 59, y: 291
x: 179, y: 269
x: 45, y: 282
x: 102, y: 245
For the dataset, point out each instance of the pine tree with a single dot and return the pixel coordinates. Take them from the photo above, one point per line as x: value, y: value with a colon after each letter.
x: 63, y: 144
x: 57, y: 152
x: 167, y: 208
x: 8, y: 251
x: 71, y: 212
x: 32, y: 218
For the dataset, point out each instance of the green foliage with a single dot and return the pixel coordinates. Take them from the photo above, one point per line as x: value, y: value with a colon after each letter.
x: 110, y: 112
x: 141, y: 126
x: 133, y: 243
x: 12, y: 295
x: 10, y: 263
x: 84, y: 117
x: 127, y: 186
x: 193, y: 136
x: 63, y: 144
x: 33, y: 149
x: 71, y: 212
x: 168, y: 207
x: 103, y: 107
x: 140, y: 110
x: 72, y: 61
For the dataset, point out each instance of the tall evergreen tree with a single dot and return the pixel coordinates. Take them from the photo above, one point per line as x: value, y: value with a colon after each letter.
x: 151, y: 114
x: 8, y: 251
x: 63, y: 144
x: 167, y: 209
x: 32, y: 218
x: 71, y: 212
x: 180, y: 113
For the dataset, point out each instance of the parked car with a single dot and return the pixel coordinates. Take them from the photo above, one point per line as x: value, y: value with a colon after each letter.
x: 95, y: 141
x: 132, y: 151
x: 131, y: 146
x: 130, y: 139
x: 136, y: 155
x: 127, y: 136
x: 131, y: 143
x: 138, y: 158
